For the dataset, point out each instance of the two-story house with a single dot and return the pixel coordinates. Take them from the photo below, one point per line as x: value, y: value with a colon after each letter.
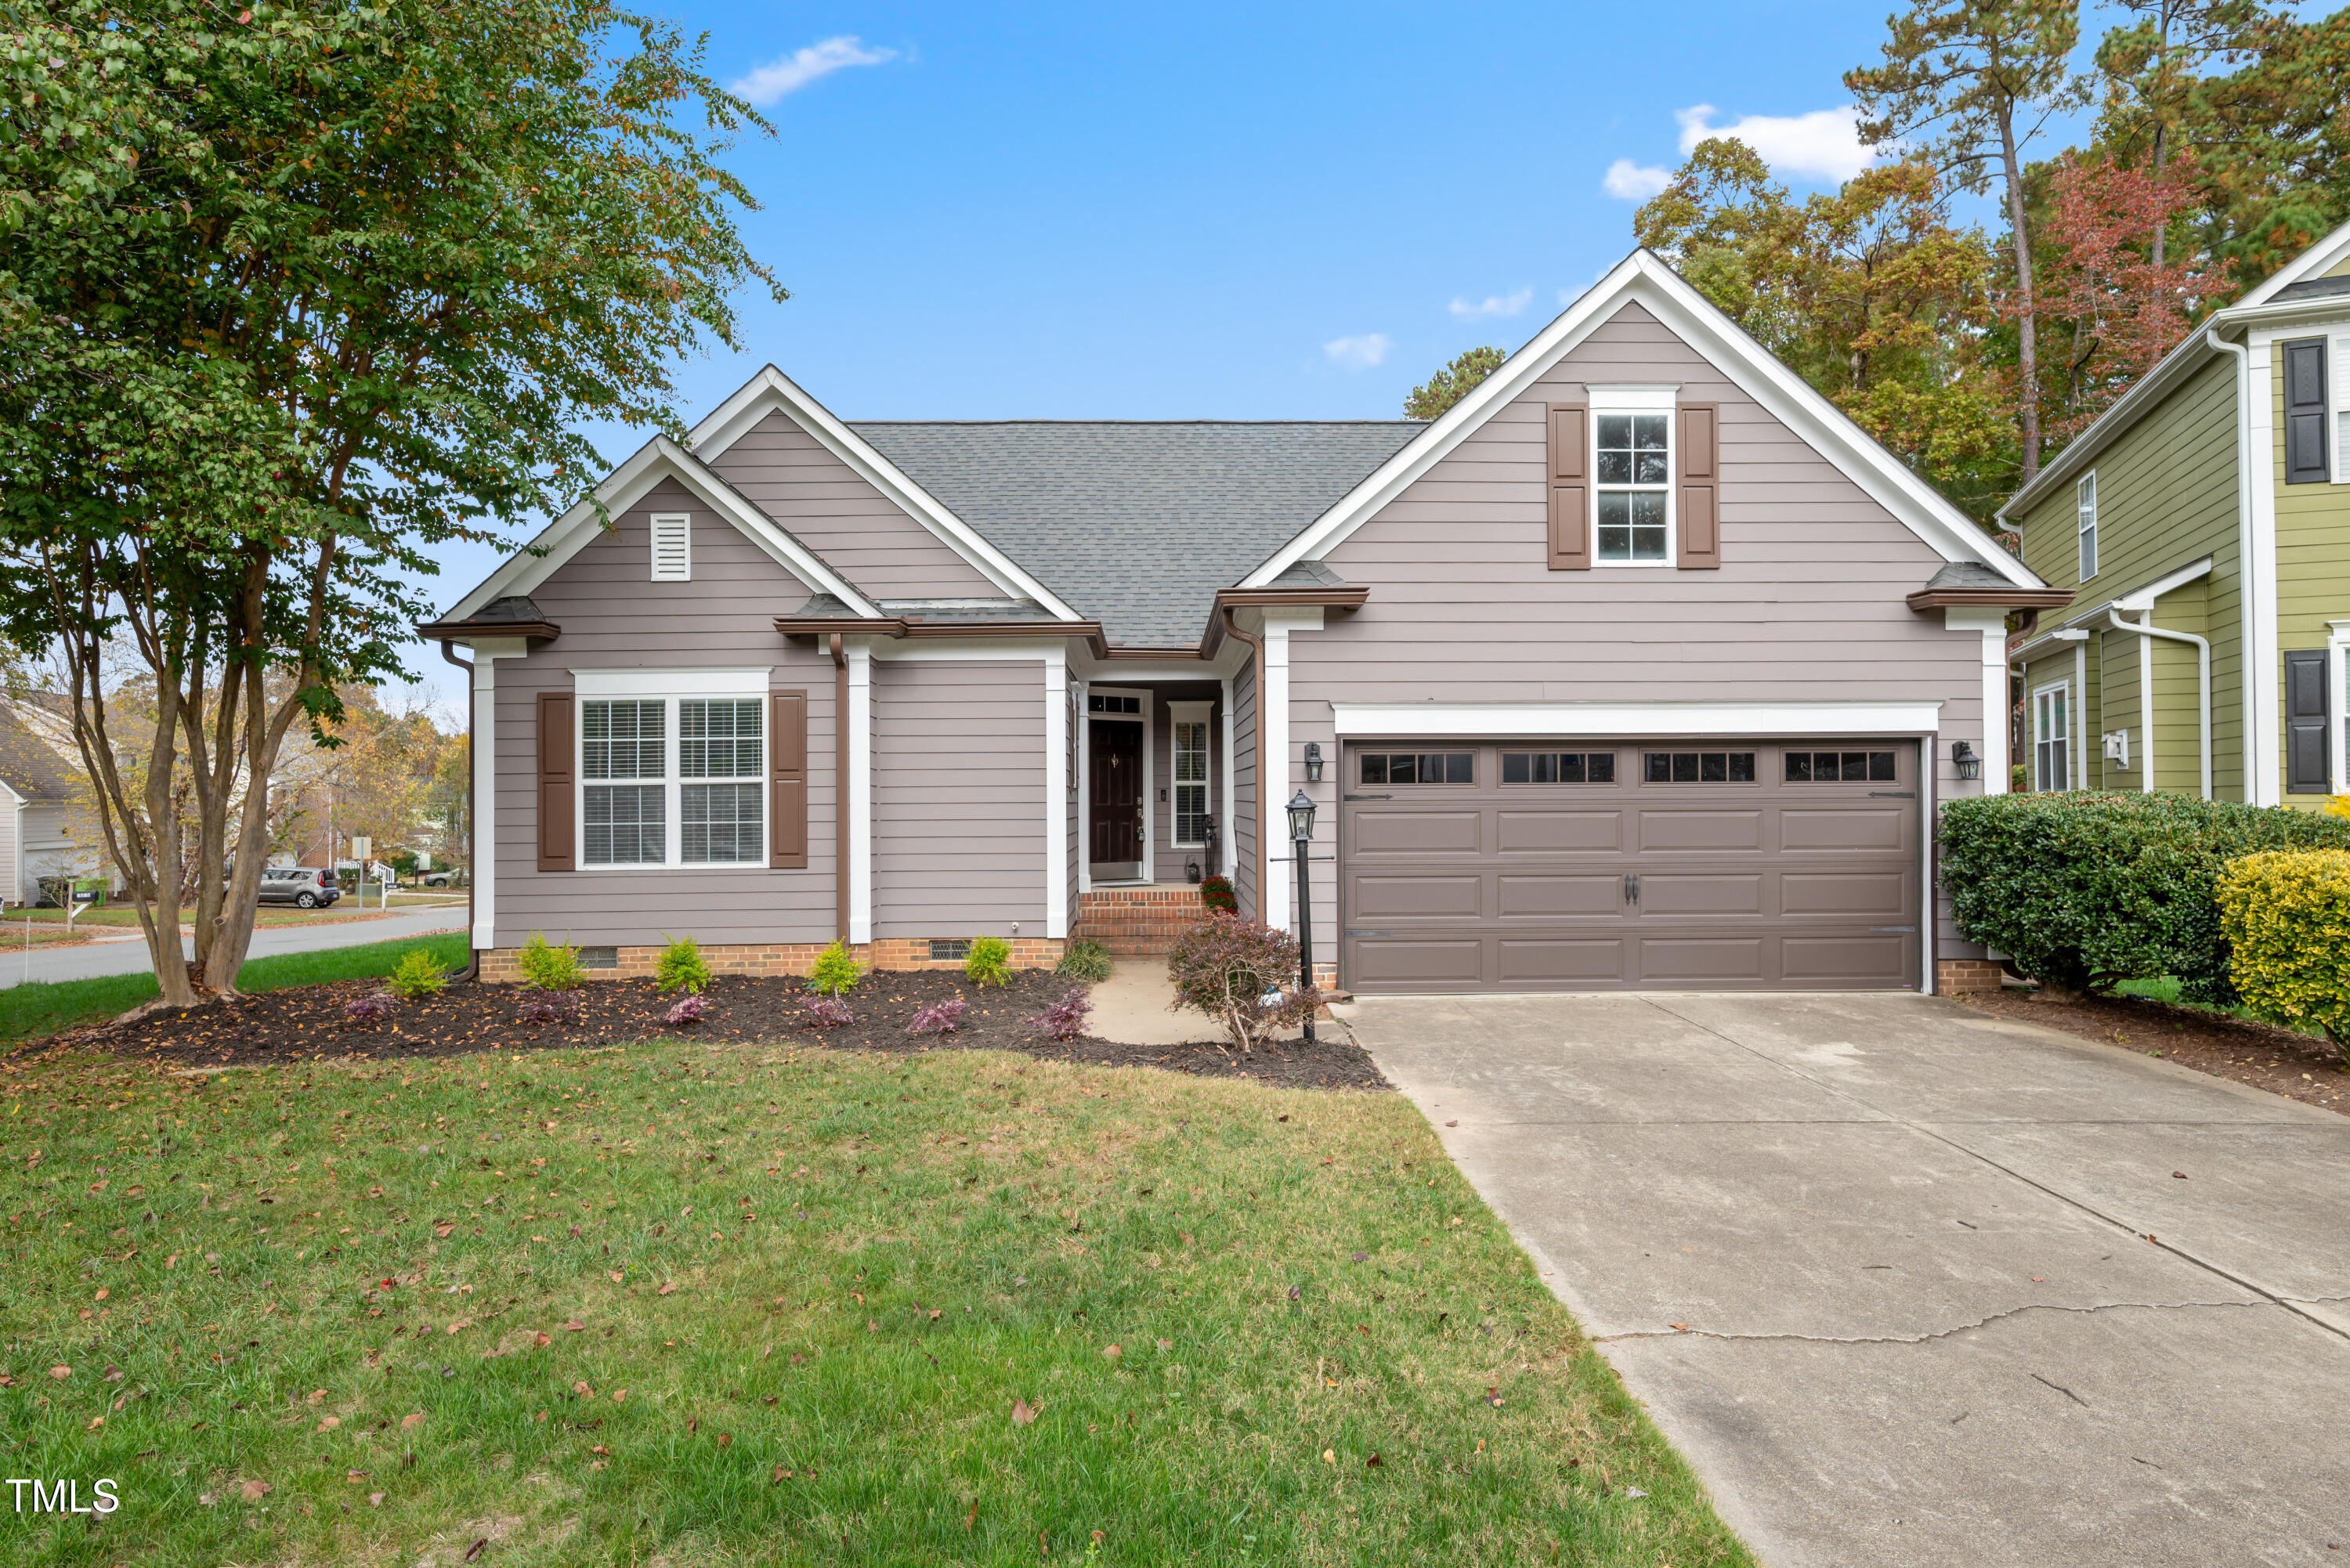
x: 2203, y: 651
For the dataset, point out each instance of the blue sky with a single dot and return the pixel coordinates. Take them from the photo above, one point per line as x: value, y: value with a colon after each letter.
x: 1244, y: 212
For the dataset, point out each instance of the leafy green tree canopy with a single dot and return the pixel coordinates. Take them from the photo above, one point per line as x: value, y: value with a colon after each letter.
x: 1452, y: 383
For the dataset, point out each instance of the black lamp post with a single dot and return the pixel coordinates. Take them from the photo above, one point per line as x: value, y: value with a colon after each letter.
x: 1301, y: 833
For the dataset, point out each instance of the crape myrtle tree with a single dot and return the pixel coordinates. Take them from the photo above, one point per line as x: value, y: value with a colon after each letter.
x: 292, y: 296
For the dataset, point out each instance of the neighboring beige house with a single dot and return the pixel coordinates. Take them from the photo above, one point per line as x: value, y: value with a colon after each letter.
x: 40, y: 813
x: 1641, y: 667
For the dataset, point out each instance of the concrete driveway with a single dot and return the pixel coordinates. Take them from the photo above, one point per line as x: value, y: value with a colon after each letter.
x: 1909, y: 1285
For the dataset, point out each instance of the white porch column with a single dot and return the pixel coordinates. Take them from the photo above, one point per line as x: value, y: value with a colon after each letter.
x: 861, y: 791
x: 484, y: 868
x: 1057, y: 793
x: 1273, y: 756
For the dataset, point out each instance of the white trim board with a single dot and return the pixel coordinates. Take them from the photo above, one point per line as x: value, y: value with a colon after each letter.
x: 1644, y: 278
x: 656, y: 460
x: 1445, y: 721
x: 751, y: 680
x: 771, y: 390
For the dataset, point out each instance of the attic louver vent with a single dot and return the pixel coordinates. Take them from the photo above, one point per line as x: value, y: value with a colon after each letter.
x: 673, y: 549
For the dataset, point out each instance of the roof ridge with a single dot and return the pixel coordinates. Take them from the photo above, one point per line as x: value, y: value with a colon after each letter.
x: 1154, y: 424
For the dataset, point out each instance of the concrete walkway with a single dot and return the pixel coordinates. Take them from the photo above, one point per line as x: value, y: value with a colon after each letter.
x: 1909, y: 1285
x: 128, y: 955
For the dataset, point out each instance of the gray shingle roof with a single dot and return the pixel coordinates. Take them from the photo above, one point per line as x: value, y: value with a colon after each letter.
x: 1966, y: 575
x: 2315, y: 288
x: 29, y: 765
x: 1135, y: 523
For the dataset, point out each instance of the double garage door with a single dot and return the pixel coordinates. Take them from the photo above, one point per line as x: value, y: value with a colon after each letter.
x: 1595, y: 866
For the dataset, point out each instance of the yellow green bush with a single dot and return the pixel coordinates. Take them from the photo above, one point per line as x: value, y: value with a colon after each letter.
x: 2286, y: 915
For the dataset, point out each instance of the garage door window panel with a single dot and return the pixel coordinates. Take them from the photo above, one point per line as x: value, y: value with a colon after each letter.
x: 1558, y: 767
x: 1699, y: 767
x: 1418, y: 767
x: 1842, y: 767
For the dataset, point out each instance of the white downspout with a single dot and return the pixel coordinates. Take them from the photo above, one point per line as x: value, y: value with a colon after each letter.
x: 2248, y: 580
x: 2146, y: 629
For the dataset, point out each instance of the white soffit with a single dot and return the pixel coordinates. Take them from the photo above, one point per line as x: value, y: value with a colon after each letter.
x: 1634, y: 721
x: 771, y: 390
x: 1643, y: 279
x: 656, y: 460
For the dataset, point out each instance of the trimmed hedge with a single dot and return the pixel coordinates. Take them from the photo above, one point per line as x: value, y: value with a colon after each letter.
x: 2286, y: 916
x: 2086, y: 890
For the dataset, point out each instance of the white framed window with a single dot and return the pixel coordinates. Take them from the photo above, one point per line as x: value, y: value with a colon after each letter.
x: 672, y: 547
x: 1187, y: 728
x: 2084, y: 507
x: 2338, y: 385
x: 1632, y: 465
x: 672, y: 781
x: 2051, y: 737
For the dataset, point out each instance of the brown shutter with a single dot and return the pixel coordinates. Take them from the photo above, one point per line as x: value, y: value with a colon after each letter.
x: 1570, y: 493
x: 1701, y: 459
x: 788, y: 792
x: 557, y: 797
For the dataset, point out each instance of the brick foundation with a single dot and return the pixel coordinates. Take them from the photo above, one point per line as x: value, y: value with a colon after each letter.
x: 1955, y: 977
x: 1138, y: 922
x: 787, y: 958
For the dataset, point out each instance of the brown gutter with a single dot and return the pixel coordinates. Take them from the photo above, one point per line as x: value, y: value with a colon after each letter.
x: 1349, y: 597
x: 835, y: 626
x: 1990, y: 598
x: 840, y: 788
x: 472, y: 830
x: 1256, y: 696
x: 440, y: 631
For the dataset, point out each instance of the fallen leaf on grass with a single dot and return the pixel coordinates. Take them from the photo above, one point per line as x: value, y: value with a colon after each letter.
x: 541, y: 1338
x: 617, y: 1275
x: 584, y: 1391
x: 412, y: 1420
x: 95, y: 1423
x: 573, y: 1326
x: 1374, y: 1459
x: 666, y: 1288
x: 1023, y: 1413
x: 375, y: 1500
x: 355, y: 1477
x: 61, y: 1373
x: 620, y: 1395
x: 725, y: 1439
x: 315, y: 1396
x: 1329, y: 1457
x: 443, y: 1230
x: 1111, y: 1352
x: 477, y: 1547
x: 254, y: 1490
x: 463, y: 1323
x: 328, y: 1423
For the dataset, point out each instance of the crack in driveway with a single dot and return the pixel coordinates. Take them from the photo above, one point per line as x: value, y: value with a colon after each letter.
x: 1919, y: 1339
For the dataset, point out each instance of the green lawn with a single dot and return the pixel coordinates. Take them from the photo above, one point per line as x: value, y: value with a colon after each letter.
x: 688, y: 1305
x: 45, y: 1006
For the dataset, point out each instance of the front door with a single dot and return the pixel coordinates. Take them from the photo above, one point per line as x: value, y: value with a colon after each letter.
x: 1114, y: 763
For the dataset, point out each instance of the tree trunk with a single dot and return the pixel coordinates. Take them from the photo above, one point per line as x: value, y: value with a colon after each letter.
x: 2027, y: 347
x: 2161, y: 225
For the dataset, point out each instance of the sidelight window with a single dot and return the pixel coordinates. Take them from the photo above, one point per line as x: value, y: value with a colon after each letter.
x: 1191, y: 766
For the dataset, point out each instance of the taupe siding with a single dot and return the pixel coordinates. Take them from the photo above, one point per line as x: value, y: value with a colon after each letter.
x: 612, y: 618
x: 1243, y: 835
x: 958, y: 797
x: 857, y: 529
x: 1807, y: 604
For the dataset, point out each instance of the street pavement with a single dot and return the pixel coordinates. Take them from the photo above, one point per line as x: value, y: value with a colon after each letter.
x: 128, y: 955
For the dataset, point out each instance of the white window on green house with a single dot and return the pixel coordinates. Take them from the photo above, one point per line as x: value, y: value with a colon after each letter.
x: 2084, y: 503
x: 2051, y: 737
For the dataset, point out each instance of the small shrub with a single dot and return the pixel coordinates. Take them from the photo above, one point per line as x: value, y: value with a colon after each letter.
x: 554, y: 1008
x: 689, y: 1010
x: 1242, y: 975
x: 418, y: 975
x: 2086, y: 890
x: 2286, y: 916
x: 370, y: 1011
x: 548, y: 966
x: 1217, y: 893
x: 1083, y: 959
x: 989, y: 961
x: 1066, y: 1019
x: 830, y: 1012
x: 834, y: 972
x: 943, y: 1017
x: 681, y: 967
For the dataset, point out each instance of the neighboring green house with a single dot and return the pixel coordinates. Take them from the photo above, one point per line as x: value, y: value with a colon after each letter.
x: 2177, y: 569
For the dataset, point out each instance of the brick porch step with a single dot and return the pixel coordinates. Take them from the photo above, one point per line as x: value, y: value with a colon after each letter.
x: 1138, y: 922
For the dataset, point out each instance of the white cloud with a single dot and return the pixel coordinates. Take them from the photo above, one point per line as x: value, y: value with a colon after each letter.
x: 777, y: 79
x: 1493, y: 304
x: 1824, y: 144
x: 1359, y: 353
x: 1631, y: 182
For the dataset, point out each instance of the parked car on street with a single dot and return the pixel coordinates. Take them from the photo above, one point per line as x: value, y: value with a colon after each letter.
x: 304, y: 886
x: 446, y: 877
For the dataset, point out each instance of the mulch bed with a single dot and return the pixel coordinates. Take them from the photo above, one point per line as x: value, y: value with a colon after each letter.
x: 2282, y: 1060
x: 303, y: 1024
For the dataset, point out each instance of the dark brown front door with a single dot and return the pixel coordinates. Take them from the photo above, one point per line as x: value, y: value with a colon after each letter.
x: 1114, y: 763
x: 1596, y: 865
